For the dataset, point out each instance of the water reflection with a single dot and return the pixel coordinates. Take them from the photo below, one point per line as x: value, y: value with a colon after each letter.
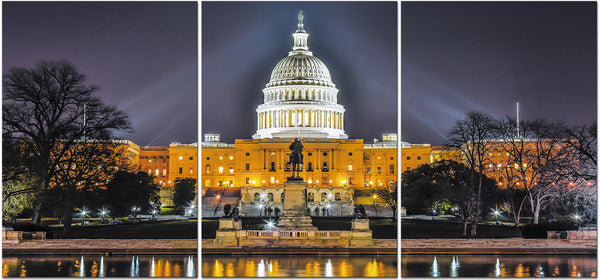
x: 299, y: 266
x: 499, y: 266
x: 99, y: 266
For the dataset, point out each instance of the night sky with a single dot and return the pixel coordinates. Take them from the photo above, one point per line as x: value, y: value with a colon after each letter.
x: 143, y: 56
x: 243, y: 41
x: 461, y: 57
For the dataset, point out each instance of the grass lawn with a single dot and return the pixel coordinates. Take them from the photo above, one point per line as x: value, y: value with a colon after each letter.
x: 382, y: 228
x: 160, y: 230
x: 415, y: 229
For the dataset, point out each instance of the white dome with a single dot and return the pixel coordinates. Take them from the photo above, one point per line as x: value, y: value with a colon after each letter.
x: 300, y: 99
x: 300, y: 67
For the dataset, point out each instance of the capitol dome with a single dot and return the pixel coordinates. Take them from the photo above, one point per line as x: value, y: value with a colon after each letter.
x: 300, y: 99
x: 300, y: 68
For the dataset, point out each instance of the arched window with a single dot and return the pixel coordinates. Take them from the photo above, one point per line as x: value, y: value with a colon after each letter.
x: 338, y: 196
x: 324, y: 196
x: 220, y: 169
x: 270, y: 196
x: 208, y: 169
x: 256, y: 197
x: 378, y: 170
x: 309, y: 168
x: 308, y: 211
x: 391, y: 169
x: 311, y: 197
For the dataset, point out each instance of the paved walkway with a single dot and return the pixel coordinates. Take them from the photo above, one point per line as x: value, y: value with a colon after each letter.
x: 103, y: 246
x: 495, y: 246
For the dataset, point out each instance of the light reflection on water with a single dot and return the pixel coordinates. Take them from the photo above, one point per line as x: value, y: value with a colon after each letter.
x: 498, y: 266
x: 299, y: 266
x: 99, y: 266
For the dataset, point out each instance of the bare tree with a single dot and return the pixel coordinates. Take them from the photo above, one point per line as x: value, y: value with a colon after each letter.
x: 472, y: 137
x: 389, y: 195
x: 49, y: 108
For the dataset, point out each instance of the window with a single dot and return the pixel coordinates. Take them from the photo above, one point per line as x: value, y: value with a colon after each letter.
x: 220, y: 169
x: 247, y: 180
x: 350, y: 154
x: 150, y: 171
x: 368, y: 170
x: 378, y: 170
x: 408, y: 169
x: 270, y: 196
x: 309, y: 154
x: 207, y: 158
x: 272, y: 166
x: 418, y: 158
x: 180, y: 157
x: 191, y: 170
x: 324, y: 196
x: 310, y: 167
x: 349, y: 167
x: 378, y: 158
x: 325, y: 167
x: 247, y: 154
x: 156, y: 172
x: 180, y: 170
x: 324, y: 154
x: 230, y: 170
x: 407, y: 158
x: 247, y: 166
x: 272, y: 180
x: 311, y: 197
x: 338, y: 196
x: 282, y: 197
x: 207, y: 169
x: 391, y: 169
x: 207, y: 183
x: 164, y: 172
x: 256, y: 197
x: 191, y: 158
x: 149, y: 160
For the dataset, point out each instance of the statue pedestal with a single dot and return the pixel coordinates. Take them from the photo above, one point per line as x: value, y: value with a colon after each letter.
x: 227, y: 234
x: 361, y: 235
x: 294, y: 207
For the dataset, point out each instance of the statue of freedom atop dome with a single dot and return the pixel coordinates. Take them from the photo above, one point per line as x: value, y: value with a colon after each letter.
x: 296, y: 158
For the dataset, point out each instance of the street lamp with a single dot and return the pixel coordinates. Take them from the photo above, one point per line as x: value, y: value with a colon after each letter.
x: 83, y: 212
x: 103, y: 213
x: 374, y: 205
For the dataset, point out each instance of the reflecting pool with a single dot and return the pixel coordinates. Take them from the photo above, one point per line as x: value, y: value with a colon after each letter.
x: 99, y: 266
x: 498, y: 266
x: 299, y: 266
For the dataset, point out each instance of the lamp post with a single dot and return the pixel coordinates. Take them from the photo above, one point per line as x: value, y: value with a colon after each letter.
x: 374, y: 205
x: 103, y: 214
x: 83, y: 213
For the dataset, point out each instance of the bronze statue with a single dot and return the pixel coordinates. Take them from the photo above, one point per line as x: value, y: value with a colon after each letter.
x: 296, y: 158
x: 359, y: 212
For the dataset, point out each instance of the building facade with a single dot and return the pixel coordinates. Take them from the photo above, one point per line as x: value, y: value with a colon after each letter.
x: 300, y: 101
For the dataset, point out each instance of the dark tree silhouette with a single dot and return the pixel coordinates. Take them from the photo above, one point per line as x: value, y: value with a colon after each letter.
x: 49, y: 108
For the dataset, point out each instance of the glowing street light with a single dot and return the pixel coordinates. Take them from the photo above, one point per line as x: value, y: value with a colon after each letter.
x: 83, y: 212
x: 103, y: 213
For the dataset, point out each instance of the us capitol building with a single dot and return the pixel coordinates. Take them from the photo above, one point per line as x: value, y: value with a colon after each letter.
x: 300, y: 101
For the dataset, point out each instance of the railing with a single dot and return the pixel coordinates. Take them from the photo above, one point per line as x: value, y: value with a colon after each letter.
x: 259, y: 234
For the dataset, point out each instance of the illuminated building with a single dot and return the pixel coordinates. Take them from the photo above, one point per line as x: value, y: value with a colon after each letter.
x: 300, y: 101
